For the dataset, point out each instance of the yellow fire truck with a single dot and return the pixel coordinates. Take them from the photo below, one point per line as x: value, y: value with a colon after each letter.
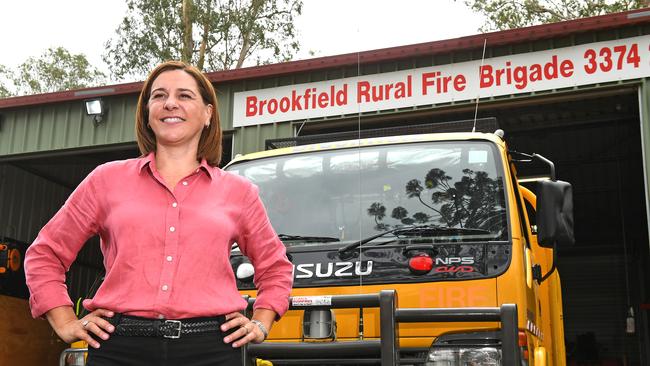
x: 441, y: 220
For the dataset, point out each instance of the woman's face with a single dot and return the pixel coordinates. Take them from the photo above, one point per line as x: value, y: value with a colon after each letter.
x: 177, y: 113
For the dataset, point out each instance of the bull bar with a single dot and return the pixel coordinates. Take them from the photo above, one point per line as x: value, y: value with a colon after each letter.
x: 386, y: 350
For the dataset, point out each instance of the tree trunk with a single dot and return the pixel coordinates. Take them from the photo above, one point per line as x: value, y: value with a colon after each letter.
x: 255, y: 8
x: 206, y: 33
x: 188, y: 45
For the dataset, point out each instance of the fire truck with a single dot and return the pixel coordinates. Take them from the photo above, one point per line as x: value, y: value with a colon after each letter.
x: 423, y: 249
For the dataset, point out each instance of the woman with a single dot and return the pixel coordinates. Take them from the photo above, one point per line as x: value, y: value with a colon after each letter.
x: 167, y: 221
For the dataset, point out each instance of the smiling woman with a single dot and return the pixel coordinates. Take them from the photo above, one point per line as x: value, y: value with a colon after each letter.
x: 167, y: 221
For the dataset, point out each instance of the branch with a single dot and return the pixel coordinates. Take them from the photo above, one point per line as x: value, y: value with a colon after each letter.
x: 255, y: 9
x: 536, y: 8
x: 206, y: 34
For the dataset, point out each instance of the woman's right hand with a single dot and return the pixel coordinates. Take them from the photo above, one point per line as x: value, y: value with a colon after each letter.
x: 70, y: 329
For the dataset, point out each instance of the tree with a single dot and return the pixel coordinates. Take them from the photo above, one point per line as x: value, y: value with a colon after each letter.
x: 4, y: 78
x: 509, y: 14
x: 56, y: 69
x: 211, y: 34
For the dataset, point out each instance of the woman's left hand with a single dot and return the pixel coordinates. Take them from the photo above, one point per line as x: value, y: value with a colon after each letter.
x: 246, y: 332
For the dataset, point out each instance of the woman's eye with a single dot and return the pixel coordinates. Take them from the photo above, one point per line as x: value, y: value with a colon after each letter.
x: 186, y: 96
x: 156, y: 96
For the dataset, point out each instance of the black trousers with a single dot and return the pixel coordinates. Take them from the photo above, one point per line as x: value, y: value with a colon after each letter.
x: 188, y: 350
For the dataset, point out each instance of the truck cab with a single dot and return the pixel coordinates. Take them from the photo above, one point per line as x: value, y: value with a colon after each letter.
x: 441, y: 219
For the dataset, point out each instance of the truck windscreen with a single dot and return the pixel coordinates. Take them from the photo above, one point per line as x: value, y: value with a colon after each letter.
x: 351, y: 194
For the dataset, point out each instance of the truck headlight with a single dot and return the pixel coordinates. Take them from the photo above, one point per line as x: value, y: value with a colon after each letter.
x: 464, y: 356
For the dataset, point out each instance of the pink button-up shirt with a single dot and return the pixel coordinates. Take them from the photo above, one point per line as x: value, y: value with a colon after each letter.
x: 166, y: 253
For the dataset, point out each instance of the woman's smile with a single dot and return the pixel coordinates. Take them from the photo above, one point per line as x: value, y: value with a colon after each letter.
x: 172, y: 119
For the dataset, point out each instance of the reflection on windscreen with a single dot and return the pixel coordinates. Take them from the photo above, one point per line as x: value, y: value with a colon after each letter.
x: 354, y: 193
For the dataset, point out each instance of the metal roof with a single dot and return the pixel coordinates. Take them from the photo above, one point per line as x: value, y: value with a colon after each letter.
x: 500, y: 38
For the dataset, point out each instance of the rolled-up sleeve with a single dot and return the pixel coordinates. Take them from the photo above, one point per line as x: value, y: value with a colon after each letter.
x: 259, y: 242
x: 57, y: 245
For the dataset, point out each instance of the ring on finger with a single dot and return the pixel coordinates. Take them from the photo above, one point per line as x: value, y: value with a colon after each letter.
x: 245, y: 329
x: 85, y: 323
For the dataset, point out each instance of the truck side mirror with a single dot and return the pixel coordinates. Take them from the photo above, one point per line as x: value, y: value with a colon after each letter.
x: 554, y: 214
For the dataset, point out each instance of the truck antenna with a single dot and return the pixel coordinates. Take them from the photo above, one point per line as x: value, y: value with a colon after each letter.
x: 479, y: 89
x: 359, y: 156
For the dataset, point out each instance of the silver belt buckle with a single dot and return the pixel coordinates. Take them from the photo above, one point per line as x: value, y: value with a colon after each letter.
x: 178, y: 331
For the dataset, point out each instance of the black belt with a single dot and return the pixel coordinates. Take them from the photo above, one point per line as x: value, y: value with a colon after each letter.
x: 132, y: 326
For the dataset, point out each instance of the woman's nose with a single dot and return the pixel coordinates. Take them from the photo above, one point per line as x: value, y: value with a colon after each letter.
x: 170, y: 103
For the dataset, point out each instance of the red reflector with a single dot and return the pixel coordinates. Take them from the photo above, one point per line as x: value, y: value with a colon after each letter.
x: 523, y: 340
x: 523, y: 343
x: 421, y: 264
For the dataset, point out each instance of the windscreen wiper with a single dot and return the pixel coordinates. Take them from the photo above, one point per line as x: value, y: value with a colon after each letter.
x: 319, y: 239
x: 424, y: 230
x: 415, y: 230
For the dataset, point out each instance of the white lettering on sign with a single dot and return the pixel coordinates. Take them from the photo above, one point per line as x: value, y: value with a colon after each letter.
x: 586, y: 64
x: 311, y: 300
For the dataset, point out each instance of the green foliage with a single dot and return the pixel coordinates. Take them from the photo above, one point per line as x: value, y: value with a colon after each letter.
x: 56, y: 69
x: 4, y: 79
x: 211, y: 34
x: 509, y: 14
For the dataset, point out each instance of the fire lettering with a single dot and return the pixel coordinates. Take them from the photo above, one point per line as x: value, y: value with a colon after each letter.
x: 442, y: 84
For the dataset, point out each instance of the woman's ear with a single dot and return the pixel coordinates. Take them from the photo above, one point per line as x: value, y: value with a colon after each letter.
x: 210, y: 109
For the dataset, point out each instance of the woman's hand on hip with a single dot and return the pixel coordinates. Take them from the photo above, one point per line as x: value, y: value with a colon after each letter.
x: 70, y: 329
x: 245, y: 330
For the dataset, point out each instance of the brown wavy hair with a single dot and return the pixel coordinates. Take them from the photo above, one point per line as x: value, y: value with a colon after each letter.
x: 210, y: 145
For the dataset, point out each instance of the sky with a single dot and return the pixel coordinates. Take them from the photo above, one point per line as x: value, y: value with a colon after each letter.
x: 326, y: 27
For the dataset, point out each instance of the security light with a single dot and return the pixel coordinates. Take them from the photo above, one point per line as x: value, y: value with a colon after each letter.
x: 96, y: 109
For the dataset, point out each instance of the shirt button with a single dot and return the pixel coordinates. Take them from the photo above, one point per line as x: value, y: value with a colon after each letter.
x: 165, y: 287
x: 172, y: 229
x: 184, y: 183
x: 160, y: 316
x: 174, y: 204
x: 169, y: 258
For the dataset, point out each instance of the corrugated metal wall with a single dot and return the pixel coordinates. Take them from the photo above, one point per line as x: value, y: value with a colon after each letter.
x: 586, y: 311
x: 27, y: 203
x: 65, y: 126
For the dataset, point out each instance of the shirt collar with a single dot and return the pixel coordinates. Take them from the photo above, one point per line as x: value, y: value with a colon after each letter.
x: 145, y: 161
x: 207, y: 168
